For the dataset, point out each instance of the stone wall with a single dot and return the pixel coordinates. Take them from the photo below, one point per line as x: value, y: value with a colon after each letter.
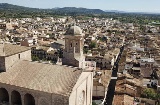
x: 99, y: 91
x: 11, y: 60
x: 82, y: 91
x: 59, y: 100
x: 68, y: 59
x: 73, y: 50
x: 41, y: 98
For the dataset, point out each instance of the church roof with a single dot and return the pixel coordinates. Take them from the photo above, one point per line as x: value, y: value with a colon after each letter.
x: 74, y: 30
x: 9, y: 49
x: 48, y: 78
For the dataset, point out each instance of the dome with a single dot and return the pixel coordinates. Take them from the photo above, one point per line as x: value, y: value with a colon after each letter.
x: 74, y: 30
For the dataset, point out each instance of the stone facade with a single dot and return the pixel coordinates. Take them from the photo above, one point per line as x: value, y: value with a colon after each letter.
x: 8, y: 61
x: 73, y: 53
x: 83, y: 86
x: 32, y: 83
x: 39, y: 97
x: 106, y: 63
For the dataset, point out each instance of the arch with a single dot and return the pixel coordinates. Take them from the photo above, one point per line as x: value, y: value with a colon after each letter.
x: 16, y: 98
x: 4, y: 96
x: 29, y: 99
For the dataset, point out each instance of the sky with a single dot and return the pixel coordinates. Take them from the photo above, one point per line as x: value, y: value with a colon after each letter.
x: 121, y: 5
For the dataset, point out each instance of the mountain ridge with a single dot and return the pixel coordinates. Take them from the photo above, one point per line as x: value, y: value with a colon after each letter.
x: 6, y: 6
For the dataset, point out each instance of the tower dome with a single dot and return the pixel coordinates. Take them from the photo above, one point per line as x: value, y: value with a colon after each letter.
x: 74, y: 30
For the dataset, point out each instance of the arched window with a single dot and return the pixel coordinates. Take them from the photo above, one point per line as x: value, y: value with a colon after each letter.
x: 16, y: 98
x: 29, y: 99
x: 4, y: 96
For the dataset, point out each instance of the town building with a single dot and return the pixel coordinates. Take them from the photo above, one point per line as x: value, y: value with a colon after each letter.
x: 10, y: 54
x: 25, y: 82
x: 73, y: 52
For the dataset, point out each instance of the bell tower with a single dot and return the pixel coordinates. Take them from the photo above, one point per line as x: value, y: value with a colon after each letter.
x: 73, y: 53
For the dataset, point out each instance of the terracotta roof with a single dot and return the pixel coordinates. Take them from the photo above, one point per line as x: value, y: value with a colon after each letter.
x: 136, y: 82
x: 104, y: 77
x: 146, y: 72
x: 125, y: 75
x: 123, y: 100
x: 148, y: 101
x: 42, y: 77
x: 9, y: 49
x: 122, y: 87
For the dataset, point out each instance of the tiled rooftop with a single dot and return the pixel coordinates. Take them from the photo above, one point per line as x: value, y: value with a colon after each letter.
x: 123, y: 100
x: 41, y: 77
x: 10, y: 49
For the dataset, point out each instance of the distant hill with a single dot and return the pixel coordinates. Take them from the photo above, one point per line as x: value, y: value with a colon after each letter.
x: 115, y: 11
x: 6, y: 6
x: 79, y: 10
x: 14, y: 11
x: 65, y: 10
x: 9, y: 8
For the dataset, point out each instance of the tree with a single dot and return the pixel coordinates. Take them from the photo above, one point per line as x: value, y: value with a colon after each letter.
x: 85, y: 50
x: 92, y: 45
x: 149, y: 93
x: 35, y: 58
x: 93, y: 103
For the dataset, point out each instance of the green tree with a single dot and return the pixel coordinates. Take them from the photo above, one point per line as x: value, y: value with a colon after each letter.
x: 93, y: 103
x: 35, y: 58
x: 85, y: 50
x: 149, y: 93
x: 92, y: 45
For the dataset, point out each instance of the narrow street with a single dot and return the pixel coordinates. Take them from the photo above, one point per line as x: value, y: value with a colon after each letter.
x: 112, y: 84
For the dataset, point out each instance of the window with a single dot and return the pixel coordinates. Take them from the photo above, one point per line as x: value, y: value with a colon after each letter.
x: 92, y: 65
x: 19, y: 56
x: 71, y: 44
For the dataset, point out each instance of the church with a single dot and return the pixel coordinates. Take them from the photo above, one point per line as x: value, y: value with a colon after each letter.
x: 23, y: 82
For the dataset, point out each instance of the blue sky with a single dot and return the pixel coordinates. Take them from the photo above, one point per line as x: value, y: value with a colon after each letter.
x: 123, y: 5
